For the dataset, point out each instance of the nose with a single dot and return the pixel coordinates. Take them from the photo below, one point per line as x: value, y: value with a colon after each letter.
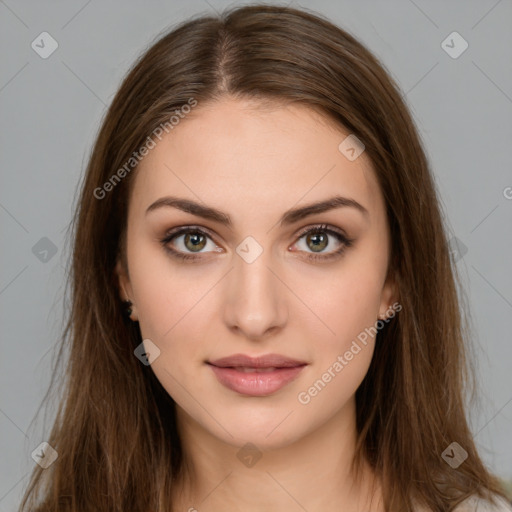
x: 255, y: 302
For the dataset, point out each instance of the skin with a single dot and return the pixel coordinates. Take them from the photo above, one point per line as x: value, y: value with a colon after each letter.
x: 254, y: 163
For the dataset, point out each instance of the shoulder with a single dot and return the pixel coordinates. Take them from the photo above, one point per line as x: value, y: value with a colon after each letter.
x: 477, y: 504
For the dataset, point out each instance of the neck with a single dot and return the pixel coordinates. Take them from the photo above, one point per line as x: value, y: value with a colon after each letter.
x: 312, y: 473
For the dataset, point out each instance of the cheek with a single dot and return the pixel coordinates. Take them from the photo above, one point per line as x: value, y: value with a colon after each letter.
x: 172, y: 311
x: 176, y: 307
x: 341, y: 304
x: 344, y: 343
x: 166, y: 294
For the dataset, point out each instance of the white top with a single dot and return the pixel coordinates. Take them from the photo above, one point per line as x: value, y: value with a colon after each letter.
x: 474, y: 504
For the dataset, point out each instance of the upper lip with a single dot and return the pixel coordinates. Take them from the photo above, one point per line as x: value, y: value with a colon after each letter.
x: 265, y: 361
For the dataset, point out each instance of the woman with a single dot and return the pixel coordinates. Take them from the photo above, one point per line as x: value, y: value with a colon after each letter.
x: 264, y: 310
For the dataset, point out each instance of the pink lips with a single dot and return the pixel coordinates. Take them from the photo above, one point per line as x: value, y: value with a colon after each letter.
x: 259, y: 376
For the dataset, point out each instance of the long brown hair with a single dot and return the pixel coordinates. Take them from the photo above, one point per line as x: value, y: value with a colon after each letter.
x: 115, y: 431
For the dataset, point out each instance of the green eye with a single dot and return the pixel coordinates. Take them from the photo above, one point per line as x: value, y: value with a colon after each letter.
x: 195, y: 240
x: 317, y: 239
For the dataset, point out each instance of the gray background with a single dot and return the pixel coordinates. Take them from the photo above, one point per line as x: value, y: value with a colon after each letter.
x: 51, y: 109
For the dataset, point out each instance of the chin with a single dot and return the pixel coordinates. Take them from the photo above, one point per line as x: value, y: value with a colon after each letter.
x: 269, y: 433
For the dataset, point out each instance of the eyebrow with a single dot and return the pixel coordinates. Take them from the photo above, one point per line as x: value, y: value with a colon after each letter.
x: 289, y: 217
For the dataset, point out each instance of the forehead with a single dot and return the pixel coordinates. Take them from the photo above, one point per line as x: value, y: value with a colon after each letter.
x: 260, y: 156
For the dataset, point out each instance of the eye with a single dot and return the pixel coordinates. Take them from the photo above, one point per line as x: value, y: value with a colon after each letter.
x: 317, y: 239
x: 193, y: 239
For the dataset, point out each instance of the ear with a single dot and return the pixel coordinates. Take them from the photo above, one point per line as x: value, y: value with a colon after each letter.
x: 125, y: 288
x: 389, y: 296
x: 123, y: 281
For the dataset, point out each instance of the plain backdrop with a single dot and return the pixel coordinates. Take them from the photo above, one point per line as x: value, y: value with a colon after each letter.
x: 51, y: 109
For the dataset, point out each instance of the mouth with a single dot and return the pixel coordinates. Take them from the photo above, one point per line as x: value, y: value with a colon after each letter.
x: 260, y: 376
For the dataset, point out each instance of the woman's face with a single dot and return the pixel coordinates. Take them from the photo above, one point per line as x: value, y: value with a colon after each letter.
x: 260, y: 282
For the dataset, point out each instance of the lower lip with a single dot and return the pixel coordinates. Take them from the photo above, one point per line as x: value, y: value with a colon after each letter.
x: 256, y: 383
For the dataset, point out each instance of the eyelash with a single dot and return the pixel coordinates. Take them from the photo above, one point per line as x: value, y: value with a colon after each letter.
x: 323, y: 228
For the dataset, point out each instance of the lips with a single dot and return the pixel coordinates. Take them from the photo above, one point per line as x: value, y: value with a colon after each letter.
x: 266, y: 361
x: 256, y: 376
